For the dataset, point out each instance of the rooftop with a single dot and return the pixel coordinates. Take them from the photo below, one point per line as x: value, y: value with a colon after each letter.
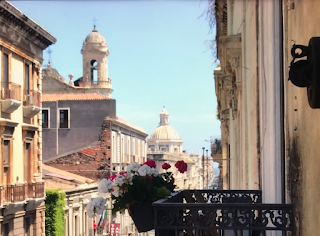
x: 65, y: 175
x: 72, y: 97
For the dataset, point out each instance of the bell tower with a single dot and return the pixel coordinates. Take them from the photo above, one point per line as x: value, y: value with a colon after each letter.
x: 95, y: 63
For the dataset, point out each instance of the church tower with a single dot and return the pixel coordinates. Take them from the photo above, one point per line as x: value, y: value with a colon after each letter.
x: 95, y: 64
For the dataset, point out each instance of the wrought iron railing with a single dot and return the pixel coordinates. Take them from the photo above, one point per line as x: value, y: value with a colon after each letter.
x: 31, y: 98
x: 10, y: 90
x: 210, y: 212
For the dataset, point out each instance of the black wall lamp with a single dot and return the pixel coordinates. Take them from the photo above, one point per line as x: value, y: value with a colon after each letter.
x: 306, y: 73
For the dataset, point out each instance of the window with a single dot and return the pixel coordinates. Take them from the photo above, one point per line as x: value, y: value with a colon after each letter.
x: 26, y: 79
x: 6, y: 161
x: 27, y: 156
x: 45, y: 118
x: 163, y: 149
x: 5, y: 72
x: 64, y: 119
x: 5, y: 229
x: 27, y: 226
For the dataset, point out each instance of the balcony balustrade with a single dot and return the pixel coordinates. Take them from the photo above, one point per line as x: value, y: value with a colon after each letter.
x: 21, y: 192
x: 10, y: 97
x: 31, y: 103
x: 10, y: 91
x: 220, y: 212
x: 32, y: 98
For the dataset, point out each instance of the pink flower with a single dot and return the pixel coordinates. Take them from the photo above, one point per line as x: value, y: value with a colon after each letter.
x: 166, y: 166
x: 112, y: 177
x: 149, y: 176
x: 150, y: 163
x: 181, y: 166
x: 123, y: 173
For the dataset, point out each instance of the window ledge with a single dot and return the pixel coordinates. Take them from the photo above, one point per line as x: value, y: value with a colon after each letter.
x: 29, y: 127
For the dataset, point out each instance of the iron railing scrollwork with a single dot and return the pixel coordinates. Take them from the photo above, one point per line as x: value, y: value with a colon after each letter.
x: 235, y: 210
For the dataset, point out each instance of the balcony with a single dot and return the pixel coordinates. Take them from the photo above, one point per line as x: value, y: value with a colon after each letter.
x: 220, y: 212
x: 31, y: 103
x: 21, y: 192
x: 10, y: 97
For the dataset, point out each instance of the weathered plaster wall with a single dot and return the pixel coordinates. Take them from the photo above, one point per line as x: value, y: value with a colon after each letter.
x: 303, y: 127
x: 86, y: 118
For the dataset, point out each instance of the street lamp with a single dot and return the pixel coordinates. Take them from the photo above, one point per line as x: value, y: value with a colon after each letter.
x: 203, y: 168
x: 207, y: 169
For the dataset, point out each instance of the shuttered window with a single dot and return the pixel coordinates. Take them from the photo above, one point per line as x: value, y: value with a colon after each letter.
x: 6, y: 152
x: 5, y: 72
x: 27, y: 155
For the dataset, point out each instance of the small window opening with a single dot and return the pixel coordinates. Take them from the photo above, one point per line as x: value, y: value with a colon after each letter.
x: 64, y: 119
x: 94, y: 71
x: 45, y: 119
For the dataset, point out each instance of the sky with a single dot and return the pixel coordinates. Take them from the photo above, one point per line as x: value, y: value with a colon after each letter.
x: 159, y: 56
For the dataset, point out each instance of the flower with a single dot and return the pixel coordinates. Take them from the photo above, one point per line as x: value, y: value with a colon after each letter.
x: 144, y: 170
x: 96, y: 206
x: 154, y: 172
x: 133, y: 167
x: 150, y: 163
x: 105, y: 185
x: 166, y: 166
x: 181, y: 166
x: 138, y: 185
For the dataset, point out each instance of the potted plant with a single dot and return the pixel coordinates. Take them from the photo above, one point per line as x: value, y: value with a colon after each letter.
x: 135, y: 190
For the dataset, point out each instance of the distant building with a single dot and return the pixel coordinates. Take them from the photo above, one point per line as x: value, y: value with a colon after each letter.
x: 165, y: 138
x: 79, y: 191
x: 22, y: 42
x: 81, y: 131
x: 165, y: 145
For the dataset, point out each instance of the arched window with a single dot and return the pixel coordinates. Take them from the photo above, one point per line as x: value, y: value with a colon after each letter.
x: 94, y: 71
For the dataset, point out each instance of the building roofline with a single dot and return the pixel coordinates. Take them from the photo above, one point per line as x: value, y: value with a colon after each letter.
x: 35, y: 31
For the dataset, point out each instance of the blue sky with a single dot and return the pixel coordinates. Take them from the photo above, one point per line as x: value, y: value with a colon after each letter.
x: 158, y: 57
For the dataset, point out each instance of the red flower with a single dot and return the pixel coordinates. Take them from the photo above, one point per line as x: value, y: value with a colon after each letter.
x: 172, y: 180
x: 112, y: 177
x: 150, y: 163
x: 166, y: 166
x: 149, y: 176
x: 181, y: 166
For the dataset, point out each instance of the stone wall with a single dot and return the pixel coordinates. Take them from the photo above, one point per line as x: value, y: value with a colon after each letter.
x: 104, y: 153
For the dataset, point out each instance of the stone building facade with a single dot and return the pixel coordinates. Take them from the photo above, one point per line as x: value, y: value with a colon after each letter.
x: 22, y: 42
x: 270, y: 130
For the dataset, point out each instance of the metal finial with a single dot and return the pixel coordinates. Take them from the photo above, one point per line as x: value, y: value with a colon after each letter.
x: 49, y: 51
x: 94, y: 25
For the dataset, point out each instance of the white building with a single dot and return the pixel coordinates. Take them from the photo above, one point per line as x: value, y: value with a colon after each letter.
x: 164, y: 138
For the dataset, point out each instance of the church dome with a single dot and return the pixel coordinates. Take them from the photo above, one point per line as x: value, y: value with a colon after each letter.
x: 95, y: 37
x: 95, y: 42
x: 164, y: 132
